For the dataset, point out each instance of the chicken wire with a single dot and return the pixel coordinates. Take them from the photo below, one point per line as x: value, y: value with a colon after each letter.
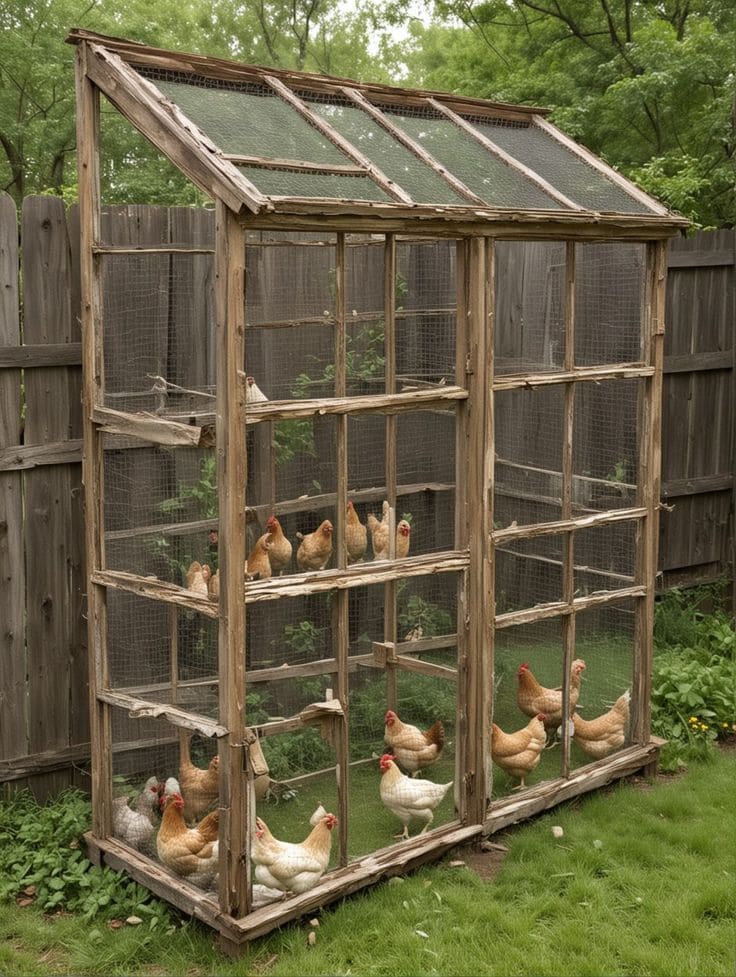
x: 606, y: 439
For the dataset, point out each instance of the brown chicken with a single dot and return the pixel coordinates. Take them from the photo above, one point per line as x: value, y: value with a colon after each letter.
x: 413, y: 749
x: 279, y: 549
x: 195, y: 578
x: 356, y: 535
x: 189, y: 852
x: 380, y: 538
x: 291, y: 867
x: 601, y: 736
x: 518, y: 753
x: 199, y: 788
x: 379, y: 532
x: 213, y: 584
x: 258, y: 566
x: 533, y: 698
x: 315, y: 549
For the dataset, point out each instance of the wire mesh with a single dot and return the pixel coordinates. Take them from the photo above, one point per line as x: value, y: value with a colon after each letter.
x: 529, y: 429
x: 528, y: 572
x: 529, y: 334
x: 158, y: 329
x: 605, y: 558
x: 609, y: 303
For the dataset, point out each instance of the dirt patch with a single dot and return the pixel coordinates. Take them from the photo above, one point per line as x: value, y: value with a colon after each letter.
x: 485, y: 864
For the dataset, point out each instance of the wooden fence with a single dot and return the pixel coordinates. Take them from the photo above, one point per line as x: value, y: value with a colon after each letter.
x: 44, y: 728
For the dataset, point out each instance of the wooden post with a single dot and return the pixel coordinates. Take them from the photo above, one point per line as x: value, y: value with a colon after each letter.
x: 568, y: 546
x: 389, y: 306
x: 231, y: 480
x: 650, y: 435
x: 473, y: 481
x: 88, y: 142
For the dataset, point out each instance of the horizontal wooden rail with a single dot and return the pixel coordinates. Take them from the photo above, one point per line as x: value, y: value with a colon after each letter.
x: 27, y: 456
x: 700, y: 259
x: 412, y: 400
x: 40, y: 355
x: 591, y: 374
x: 567, y: 525
x: 699, y: 362
x: 143, y: 709
x: 699, y: 485
x: 542, y: 612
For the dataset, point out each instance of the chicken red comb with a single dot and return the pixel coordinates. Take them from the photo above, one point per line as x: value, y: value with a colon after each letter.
x: 330, y: 821
x: 541, y: 716
x: 387, y: 758
x: 523, y: 667
x: 390, y: 714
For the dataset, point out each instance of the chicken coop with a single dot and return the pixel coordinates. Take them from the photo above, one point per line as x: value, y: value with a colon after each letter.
x: 371, y: 469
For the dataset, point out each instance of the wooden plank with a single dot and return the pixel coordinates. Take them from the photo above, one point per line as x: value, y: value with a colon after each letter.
x: 563, y: 525
x: 277, y: 410
x: 52, y: 585
x: 568, y: 485
x: 411, y: 144
x: 141, y: 709
x: 550, y: 793
x: 542, y: 612
x: 700, y: 259
x: 515, y: 164
x: 27, y: 456
x: 701, y: 485
x: 154, y: 589
x: 13, y: 736
x: 147, y: 427
x: 29, y: 356
x: 594, y: 374
x: 171, y: 132
x: 232, y: 476
x: 343, y: 169
x: 88, y: 141
x: 352, y: 152
x: 692, y: 362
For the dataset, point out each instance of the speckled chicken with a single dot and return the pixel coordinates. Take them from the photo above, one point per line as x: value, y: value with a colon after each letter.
x: 408, y: 798
x: 134, y: 823
x: 518, y: 753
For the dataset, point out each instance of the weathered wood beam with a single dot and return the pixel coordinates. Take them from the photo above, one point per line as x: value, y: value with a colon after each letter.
x: 591, y: 374
x: 27, y: 357
x: 542, y: 612
x: 563, y: 525
x: 23, y: 457
x: 149, y: 427
x: 143, y: 709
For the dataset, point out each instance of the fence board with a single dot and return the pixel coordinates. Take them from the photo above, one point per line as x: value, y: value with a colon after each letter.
x: 13, y: 705
x: 53, y: 493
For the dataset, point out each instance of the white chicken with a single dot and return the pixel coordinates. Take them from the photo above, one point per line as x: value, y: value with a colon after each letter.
x: 291, y: 867
x: 135, y: 824
x: 407, y: 797
x: 253, y: 393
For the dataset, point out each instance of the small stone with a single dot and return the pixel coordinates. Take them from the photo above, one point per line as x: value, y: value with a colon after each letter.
x: 314, y: 922
x: 134, y: 920
x: 116, y: 924
x: 312, y: 938
x: 457, y: 863
x: 597, y: 843
x: 557, y: 831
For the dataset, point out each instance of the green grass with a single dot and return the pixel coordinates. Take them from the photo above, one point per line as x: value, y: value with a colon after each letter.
x: 643, y: 882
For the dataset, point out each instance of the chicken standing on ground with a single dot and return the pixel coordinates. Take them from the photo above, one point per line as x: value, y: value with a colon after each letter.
x: 533, y: 698
x: 601, y: 736
x: 199, y: 788
x: 195, y: 578
x: 356, y: 535
x: 189, y: 852
x: 279, y: 547
x: 315, y: 549
x: 518, y: 753
x: 408, y: 798
x: 413, y: 749
x: 135, y: 823
x: 258, y: 566
x: 292, y: 867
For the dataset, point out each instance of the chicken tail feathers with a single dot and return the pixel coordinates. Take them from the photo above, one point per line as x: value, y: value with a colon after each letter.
x: 436, y: 734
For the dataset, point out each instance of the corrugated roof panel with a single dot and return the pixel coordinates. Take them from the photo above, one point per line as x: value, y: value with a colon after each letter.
x: 491, y: 179
x: 559, y: 166
x: 250, y: 120
x: 307, y: 183
x: 396, y: 161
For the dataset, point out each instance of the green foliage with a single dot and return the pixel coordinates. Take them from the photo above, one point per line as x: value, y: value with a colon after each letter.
x: 416, y: 612
x: 41, y: 854
x: 303, y: 638
x: 694, y: 675
x: 194, y: 500
x: 294, y: 437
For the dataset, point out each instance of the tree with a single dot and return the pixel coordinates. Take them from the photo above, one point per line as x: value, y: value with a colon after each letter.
x: 37, y: 104
x: 647, y: 85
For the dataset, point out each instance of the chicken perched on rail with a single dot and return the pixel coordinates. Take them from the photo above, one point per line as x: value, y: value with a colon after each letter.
x: 279, y: 547
x: 409, y: 798
x: 292, y: 867
x: 189, y: 852
x: 413, y: 749
x: 134, y: 822
x: 380, y: 538
x: 213, y: 583
x: 518, y: 753
x: 533, y: 698
x: 253, y: 393
x: 199, y: 787
x: 258, y: 566
x: 356, y: 535
x: 195, y: 578
x: 315, y: 549
x: 601, y: 736
x: 379, y: 532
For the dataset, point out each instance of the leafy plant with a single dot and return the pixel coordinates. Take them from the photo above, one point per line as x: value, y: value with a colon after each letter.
x: 200, y: 495
x: 41, y: 857
x: 417, y: 612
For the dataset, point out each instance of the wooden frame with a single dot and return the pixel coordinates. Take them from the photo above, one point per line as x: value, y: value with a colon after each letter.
x: 470, y: 397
